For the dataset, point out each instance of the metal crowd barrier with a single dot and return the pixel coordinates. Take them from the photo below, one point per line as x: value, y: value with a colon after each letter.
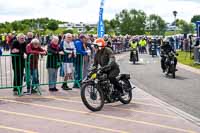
x: 38, y: 72
x: 17, y: 73
x: 12, y: 72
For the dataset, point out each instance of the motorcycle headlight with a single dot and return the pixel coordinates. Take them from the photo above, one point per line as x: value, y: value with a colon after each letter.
x: 94, y: 76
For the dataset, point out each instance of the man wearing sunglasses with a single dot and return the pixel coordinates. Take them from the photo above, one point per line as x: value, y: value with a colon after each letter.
x: 105, y: 58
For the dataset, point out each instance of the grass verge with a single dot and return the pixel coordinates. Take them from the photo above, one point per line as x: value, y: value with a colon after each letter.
x: 184, y: 58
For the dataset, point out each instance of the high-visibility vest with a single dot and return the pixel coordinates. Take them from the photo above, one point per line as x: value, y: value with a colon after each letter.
x: 133, y: 45
x: 3, y: 38
x: 142, y: 43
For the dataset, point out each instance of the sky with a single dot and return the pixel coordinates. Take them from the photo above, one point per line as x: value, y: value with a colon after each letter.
x: 87, y: 10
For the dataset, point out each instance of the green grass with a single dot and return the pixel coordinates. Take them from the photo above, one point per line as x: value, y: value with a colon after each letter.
x: 184, y: 58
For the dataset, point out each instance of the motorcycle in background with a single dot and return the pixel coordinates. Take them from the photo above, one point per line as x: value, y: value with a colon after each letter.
x: 170, y: 64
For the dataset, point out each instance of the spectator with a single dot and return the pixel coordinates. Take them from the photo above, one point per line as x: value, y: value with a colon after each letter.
x: 29, y: 37
x: 143, y: 45
x: 1, y: 40
x: 186, y: 44
x: 34, y: 49
x: 9, y: 41
x: 70, y: 53
x: 1, y: 52
x: 53, y: 63
x: 85, y: 51
x: 109, y: 44
x: 18, y: 62
x: 4, y: 41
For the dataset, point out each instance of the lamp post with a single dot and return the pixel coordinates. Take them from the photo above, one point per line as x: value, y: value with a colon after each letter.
x: 175, y: 14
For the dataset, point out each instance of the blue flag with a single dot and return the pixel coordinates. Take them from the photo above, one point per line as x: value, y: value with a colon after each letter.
x: 101, y: 28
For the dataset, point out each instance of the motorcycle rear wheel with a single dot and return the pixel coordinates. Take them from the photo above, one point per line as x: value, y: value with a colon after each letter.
x: 126, y: 98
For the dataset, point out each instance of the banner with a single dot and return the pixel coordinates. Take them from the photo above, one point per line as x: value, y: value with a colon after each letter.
x: 198, y: 28
x: 101, y: 28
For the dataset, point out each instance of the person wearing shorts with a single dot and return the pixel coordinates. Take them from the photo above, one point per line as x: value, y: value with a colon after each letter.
x: 70, y: 53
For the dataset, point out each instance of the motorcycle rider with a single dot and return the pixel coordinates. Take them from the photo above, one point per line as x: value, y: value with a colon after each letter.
x: 105, y: 58
x: 133, y: 46
x: 166, y: 48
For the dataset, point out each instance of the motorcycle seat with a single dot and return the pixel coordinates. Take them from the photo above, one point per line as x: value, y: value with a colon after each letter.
x: 124, y: 76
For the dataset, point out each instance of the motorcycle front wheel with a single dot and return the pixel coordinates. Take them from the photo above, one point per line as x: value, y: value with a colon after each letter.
x: 173, y: 71
x: 92, y: 97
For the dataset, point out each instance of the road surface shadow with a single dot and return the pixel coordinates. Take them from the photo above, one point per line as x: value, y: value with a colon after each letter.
x: 137, y: 63
x: 128, y: 106
x: 177, y: 77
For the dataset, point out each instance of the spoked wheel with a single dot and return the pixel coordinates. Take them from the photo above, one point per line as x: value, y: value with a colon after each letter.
x: 127, y: 96
x: 92, y: 97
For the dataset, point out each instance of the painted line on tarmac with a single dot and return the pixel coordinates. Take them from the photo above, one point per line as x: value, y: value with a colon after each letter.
x: 105, y: 116
x: 173, y: 109
x: 16, y: 129
x: 146, y: 104
x: 38, y: 97
x: 179, y: 112
x: 130, y: 110
x: 61, y: 121
x: 49, y: 97
x: 80, y: 98
x: 150, y: 113
x: 157, y: 114
x: 142, y: 103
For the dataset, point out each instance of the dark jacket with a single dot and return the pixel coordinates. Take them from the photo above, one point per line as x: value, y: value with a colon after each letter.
x: 102, y: 58
x: 18, y: 58
x: 165, y: 49
x: 28, y: 40
x: 53, y: 58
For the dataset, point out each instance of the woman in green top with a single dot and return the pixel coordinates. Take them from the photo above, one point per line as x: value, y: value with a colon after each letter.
x: 53, y: 63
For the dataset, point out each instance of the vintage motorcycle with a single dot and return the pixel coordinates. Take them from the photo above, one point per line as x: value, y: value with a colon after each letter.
x: 96, y: 89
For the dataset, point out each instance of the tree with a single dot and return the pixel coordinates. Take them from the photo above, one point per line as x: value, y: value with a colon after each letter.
x: 107, y: 26
x: 195, y: 18
x: 131, y: 22
x: 156, y: 25
x: 68, y: 31
x: 52, y: 25
x: 88, y: 28
x: 185, y: 27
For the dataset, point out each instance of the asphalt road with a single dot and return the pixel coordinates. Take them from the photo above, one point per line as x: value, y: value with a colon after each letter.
x: 182, y: 92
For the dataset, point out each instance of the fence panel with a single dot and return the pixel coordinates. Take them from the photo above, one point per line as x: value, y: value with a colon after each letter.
x: 50, y: 70
x: 12, y: 72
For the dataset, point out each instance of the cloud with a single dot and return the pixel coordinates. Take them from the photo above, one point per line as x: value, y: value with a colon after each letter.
x: 87, y: 10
